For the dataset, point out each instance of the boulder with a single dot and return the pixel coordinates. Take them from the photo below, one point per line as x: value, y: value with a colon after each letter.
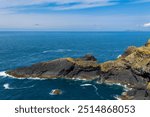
x: 56, y: 92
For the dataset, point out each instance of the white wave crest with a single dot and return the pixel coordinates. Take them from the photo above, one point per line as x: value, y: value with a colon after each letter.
x: 119, y: 56
x: 96, y: 89
x: 57, y: 51
x: 35, y: 78
x: 117, y: 97
x: 85, y: 85
x: 29, y: 78
x: 3, y: 74
x: 126, y: 88
x: 7, y: 86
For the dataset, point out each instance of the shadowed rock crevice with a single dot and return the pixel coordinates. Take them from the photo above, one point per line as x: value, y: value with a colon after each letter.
x: 131, y: 69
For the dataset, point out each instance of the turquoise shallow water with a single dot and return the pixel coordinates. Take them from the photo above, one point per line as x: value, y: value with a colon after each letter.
x: 19, y: 49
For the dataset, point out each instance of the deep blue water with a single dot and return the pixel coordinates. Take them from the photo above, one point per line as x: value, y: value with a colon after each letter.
x: 19, y: 49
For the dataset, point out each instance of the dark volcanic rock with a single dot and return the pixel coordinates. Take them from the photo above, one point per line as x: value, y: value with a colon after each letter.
x: 60, y: 68
x: 131, y: 69
x: 48, y: 69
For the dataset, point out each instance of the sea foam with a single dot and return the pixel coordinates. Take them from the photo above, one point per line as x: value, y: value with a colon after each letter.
x: 85, y: 85
x: 119, y: 56
x: 57, y: 51
x: 3, y: 74
x: 7, y: 86
x: 96, y: 89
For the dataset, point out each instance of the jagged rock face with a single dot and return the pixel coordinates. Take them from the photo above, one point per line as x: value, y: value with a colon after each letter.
x: 60, y: 68
x: 131, y: 69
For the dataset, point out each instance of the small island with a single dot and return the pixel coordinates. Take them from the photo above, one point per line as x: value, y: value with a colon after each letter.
x: 131, y: 69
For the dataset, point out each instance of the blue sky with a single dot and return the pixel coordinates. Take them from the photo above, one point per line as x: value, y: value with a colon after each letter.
x: 75, y: 15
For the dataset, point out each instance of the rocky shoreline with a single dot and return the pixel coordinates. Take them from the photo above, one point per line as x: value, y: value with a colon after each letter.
x: 131, y: 69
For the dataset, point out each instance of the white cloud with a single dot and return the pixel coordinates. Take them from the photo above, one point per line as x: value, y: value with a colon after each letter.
x: 147, y: 24
x: 87, y: 4
x: 60, y: 4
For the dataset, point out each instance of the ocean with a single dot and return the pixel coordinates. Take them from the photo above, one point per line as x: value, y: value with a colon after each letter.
x: 18, y: 49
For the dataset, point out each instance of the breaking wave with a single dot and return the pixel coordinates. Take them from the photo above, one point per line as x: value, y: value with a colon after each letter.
x: 119, y: 56
x: 3, y: 74
x: 83, y: 85
x: 7, y: 86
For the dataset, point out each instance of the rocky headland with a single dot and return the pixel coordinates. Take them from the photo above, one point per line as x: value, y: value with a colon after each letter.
x: 131, y: 69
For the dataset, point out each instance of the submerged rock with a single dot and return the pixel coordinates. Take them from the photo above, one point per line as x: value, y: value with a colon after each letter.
x: 56, y: 92
x: 132, y: 69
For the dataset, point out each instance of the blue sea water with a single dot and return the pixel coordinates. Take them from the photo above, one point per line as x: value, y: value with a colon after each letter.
x: 19, y: 49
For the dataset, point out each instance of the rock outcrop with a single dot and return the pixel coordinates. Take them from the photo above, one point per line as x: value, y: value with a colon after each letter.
x: 56, y: 92
x: 132, y: 69
x: 83, y: 68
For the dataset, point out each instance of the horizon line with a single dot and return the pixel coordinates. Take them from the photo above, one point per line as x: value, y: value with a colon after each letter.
x: 73, y: 31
